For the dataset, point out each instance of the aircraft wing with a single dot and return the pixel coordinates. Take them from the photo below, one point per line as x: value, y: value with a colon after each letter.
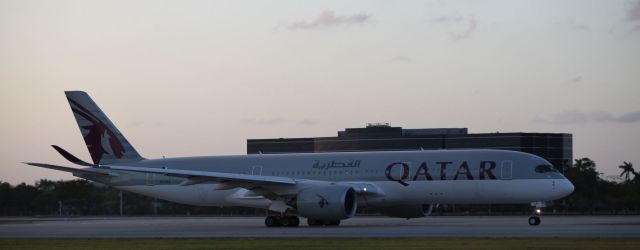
x: 245, y: 180
x: 193, y: 177
x: 201, y: 176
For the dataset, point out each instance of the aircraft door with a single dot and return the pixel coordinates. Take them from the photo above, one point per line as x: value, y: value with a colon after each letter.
x: 506, y: 170
x: 151, y: 179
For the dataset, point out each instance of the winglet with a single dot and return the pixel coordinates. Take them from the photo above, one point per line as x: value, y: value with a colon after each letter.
x: 70, y: 157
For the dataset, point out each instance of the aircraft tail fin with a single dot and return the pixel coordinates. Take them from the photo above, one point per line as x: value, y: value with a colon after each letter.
x: 104, y: 141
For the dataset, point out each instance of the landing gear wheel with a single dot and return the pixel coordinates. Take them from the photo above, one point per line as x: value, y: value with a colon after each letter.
x: 290, y: 221
x: 271, y: 221
x: 319, y: 223
x: 534, y: 220
x: 295, y: 221
x: 314, y: 222
x: 332, y: 223
x: 286, y: 221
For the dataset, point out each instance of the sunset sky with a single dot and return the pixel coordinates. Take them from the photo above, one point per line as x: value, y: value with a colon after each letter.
x: 183, y: 78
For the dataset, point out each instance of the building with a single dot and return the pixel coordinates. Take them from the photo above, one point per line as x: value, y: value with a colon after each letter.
x: 554, y: 147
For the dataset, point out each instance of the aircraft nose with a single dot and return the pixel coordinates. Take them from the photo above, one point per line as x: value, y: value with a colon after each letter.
x: 565, y: 187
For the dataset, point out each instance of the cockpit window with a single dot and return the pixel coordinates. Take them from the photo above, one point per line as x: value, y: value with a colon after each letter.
x: 545, y: 168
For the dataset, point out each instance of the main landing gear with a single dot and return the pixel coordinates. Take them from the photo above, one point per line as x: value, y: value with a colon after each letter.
x: 294, y: 221
x: 319, y: 223
x: 282, y: 221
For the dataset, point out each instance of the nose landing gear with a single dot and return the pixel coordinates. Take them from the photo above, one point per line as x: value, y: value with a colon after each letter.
x: 534, y: 220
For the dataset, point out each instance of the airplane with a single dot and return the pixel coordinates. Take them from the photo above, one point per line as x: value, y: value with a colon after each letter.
x: 324, y: 188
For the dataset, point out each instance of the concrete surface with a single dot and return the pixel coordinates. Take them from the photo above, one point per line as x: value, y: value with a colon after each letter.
x: 196, y: 227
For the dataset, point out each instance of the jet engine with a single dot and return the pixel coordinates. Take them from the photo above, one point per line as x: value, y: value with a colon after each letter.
x: 331, y: 203
x: 407, y: 211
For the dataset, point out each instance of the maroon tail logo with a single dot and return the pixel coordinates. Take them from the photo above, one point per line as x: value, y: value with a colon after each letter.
x: 323, y: 201
x: 98, y: 133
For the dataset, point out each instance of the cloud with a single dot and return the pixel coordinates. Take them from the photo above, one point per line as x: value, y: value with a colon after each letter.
x: 570, y: 117
x: 582, y: 27
x: 633, y: 13
x: 581, y: 117
x: 629, y: 117
x: 281, y: 121
x: 575, y: 79
x: 571, y: 25
x: 329, y: 19
x: 463, y: 26
x: 308, y: 122
x: 447, y: 20
x: 632, y: 17
x: 471, y: 27
x: 400, y: 59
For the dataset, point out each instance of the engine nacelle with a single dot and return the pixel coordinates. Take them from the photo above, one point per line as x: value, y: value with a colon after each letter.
x: 333, y: 202
x: 407, y: 211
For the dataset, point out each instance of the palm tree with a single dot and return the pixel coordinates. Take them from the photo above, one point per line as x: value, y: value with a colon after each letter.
x: 627, y: 170
x: 584, y: 165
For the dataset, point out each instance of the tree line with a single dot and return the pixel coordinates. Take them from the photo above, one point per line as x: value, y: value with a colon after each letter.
x: 593, y: 194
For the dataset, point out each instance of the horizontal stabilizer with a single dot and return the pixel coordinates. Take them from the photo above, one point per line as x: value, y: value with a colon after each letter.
x: 71, y: 170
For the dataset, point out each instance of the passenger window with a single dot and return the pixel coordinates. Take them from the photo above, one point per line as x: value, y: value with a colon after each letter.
x: 545, y: 168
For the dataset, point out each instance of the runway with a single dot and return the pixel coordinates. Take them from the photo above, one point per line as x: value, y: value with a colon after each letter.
x: 212, y: 227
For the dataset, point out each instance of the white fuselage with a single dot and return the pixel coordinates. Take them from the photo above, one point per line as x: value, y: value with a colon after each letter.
x: 392, y: 178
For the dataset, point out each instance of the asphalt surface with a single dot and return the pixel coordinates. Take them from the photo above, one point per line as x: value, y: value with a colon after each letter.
x: 208, y: 227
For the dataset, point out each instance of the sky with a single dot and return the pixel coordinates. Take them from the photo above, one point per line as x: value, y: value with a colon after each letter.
x: 186, y: 78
